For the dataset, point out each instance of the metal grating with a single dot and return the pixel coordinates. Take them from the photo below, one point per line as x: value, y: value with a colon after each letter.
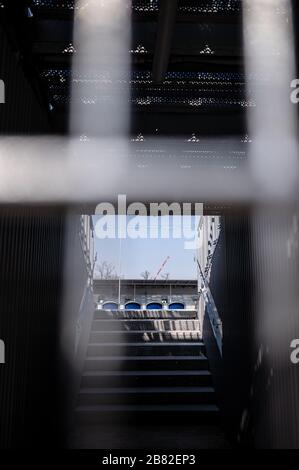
x: 210, y: 6
x: 152, y: 6
x: 145, y: 6
x: 65, y: 5
x: 145, y: 77
x: 53, y: 4
x: 192, y: 89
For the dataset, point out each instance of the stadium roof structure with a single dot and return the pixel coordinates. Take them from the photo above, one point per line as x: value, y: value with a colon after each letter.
x: 187, y: 78
x: 191, y: 87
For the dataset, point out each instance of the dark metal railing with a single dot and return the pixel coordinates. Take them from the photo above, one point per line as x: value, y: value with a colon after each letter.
x: 211, y: 310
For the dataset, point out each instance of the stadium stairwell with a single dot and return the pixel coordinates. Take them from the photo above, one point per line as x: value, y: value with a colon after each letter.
x: 146, y: 365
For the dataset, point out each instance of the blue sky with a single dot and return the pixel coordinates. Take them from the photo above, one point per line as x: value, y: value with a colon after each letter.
x: 148, y: 254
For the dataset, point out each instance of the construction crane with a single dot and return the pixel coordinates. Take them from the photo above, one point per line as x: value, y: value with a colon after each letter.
x: 162, y: 267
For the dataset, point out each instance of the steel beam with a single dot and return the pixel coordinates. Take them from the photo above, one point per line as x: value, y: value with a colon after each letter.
x: 166, y: 25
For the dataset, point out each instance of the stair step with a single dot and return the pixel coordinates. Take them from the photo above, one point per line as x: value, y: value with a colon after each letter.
x: 153, y: 395
x: 111, y: 379
x: 146, y: 349
x: 145, y: 325
x: 147, y: 363
x: 146, y: 366
x: 145, y: 314
x: 153, y: 413
x: 146, y: 336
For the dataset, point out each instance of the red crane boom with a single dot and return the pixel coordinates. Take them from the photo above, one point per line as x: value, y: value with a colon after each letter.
x: 162, y: 266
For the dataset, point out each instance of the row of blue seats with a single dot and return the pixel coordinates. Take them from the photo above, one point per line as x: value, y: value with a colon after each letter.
x: 137, y: 306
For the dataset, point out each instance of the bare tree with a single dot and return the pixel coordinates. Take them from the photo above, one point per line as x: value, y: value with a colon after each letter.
x: 105, y: 270
x: 145, y: 275
x: 165, y: 276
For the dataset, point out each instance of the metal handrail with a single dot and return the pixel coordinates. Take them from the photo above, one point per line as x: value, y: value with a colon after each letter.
x: 88, y: 285
x: 211, y: 309
x: 85, y: 251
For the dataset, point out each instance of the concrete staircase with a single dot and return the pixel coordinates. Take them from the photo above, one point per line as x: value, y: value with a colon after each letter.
x: 146, y: 366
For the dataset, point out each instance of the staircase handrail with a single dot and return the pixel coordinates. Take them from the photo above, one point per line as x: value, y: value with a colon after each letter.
x: 213, y: 315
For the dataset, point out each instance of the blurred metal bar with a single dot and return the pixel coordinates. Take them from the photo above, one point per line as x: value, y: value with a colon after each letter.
x: 270, y: 53
x: 102, y: 34
x: 270, y: 49
x: 58, y: 170
x: 52, y: 170
x: 43, y: 170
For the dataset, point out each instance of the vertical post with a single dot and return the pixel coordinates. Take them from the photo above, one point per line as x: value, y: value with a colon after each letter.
x: 119, y: 272
x: 269, y: 53
x: 102, y: 32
